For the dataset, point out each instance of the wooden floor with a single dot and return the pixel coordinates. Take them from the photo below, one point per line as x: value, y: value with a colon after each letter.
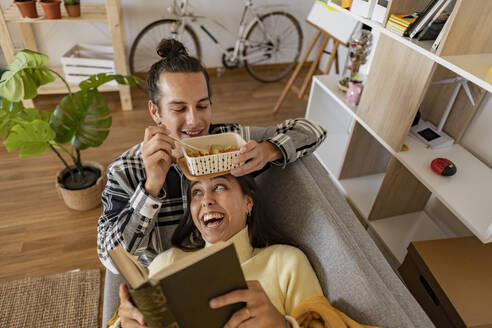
x: 39, y: 235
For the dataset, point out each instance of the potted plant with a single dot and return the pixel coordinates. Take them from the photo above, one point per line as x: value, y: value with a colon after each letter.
x: 51, y: 9
x: 79, y: 121
x: 27, y: 8
x: 72, y: 7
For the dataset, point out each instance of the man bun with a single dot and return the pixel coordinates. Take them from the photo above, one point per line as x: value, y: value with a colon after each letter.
x: 170, y: 48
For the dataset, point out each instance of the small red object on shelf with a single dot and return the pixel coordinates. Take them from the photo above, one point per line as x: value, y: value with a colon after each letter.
x: 443, y: 166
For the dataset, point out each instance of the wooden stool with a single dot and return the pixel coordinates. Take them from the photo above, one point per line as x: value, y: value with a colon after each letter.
x: 301, y: 92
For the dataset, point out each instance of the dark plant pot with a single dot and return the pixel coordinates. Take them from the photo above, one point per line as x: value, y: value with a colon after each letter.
x: 73, y: 10
x: 27, y: 8
x: 82, y: 198
x: 51, y: 9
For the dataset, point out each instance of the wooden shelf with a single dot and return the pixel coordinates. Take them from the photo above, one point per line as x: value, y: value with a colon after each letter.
x: 90, y: 12
x: 108, y: 12
x: 397, y: 232
x: 467, y: 194
x: 58, y: 86
x: 362, y: 191
x: 478, y: 74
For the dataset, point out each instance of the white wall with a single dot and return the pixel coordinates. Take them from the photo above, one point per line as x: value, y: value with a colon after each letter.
x: 56, y: 38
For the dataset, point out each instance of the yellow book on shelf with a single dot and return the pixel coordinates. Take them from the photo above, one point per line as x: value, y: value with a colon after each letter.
x: 403, y: 19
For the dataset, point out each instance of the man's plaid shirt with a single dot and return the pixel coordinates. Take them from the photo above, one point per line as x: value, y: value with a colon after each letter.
x: 143, y: 224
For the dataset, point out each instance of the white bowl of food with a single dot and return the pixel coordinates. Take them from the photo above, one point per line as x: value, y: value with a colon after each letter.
x: 218, y: 152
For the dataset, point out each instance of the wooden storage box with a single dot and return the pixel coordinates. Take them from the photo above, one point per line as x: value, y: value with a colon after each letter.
x: 212, y: 163
x: 86, y: 59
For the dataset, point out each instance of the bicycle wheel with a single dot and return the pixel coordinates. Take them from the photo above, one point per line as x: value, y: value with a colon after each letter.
x: 143, y: 51
x: 273, y: 46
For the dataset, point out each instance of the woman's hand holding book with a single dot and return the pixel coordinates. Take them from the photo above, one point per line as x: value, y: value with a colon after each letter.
x: 259, y: 311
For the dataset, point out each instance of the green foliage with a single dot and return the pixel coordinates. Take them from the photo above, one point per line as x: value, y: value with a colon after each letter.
x: 83, y: 126
x: 26, y: 73
x: 81, y: 119
x: 95, y: 81
x: 72, y: 2
x: 31, y: 138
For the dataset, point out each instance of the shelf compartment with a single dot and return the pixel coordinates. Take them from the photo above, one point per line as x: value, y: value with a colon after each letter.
x: 400, y: 193
x: 469, y: 32
x: 437, y: 98
x: 329, y: 84
x: 393, y: 92
x: 361, y: 192
x: 58, y: 86
x: 364, y: 156
x: 467, y: 194
x: 89, y: 12
x: 396, y: 233
x: 328, y: 112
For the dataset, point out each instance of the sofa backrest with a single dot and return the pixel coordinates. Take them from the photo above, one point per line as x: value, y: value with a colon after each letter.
x: 306, y: 206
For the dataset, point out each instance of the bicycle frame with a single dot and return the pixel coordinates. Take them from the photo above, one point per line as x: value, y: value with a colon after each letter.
x: 184, y: 16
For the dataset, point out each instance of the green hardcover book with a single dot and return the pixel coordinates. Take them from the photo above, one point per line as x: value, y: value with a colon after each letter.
x: 178, y: 295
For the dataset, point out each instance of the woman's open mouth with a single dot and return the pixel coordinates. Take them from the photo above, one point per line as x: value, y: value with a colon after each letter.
x: 212, y: 220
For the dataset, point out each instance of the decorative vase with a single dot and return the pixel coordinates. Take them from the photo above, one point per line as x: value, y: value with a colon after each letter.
x: 27, y: 8
x: 73, y: 10
x: 354, y: 92
x: 82, y: 199
x: 51, y: 9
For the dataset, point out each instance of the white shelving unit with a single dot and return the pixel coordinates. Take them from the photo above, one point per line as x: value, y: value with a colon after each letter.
x: 397, y: 232
x: 467, y: 194
x: 475, y: 68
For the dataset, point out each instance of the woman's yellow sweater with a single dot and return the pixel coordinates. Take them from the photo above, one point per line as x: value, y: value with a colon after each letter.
x: 283, y: 271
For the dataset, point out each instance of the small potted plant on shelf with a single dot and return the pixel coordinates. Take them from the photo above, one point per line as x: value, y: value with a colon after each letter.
x: 27, y: 8
x: 51, y: 9
x: 72, y: 7
x: 81, y: 120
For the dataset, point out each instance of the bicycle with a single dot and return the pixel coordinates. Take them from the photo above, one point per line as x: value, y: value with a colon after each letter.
x: 263, y: 45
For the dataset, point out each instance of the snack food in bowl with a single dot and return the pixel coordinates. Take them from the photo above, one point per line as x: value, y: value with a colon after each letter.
x: 222, y: 149
x: 214, y: 149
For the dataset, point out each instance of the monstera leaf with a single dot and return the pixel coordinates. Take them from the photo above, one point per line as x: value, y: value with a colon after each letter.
x: 83, y: 121
x: 26, y: 73
x: 33, y: 138
x: 95, y: 81
x: 12, y: 113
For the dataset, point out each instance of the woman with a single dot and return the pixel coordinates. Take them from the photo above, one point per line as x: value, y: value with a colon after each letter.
x: 279, y: 276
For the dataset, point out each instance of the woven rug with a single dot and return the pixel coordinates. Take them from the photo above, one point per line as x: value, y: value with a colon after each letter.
x: 69, y: 299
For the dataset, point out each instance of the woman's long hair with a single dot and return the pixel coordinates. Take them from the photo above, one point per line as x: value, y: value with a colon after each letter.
x: 261, y: 232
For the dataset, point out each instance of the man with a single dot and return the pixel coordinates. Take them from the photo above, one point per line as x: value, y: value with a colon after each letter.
x: 145, y: 196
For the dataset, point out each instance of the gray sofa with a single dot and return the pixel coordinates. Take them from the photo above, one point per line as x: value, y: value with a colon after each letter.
x: 306, y: 206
